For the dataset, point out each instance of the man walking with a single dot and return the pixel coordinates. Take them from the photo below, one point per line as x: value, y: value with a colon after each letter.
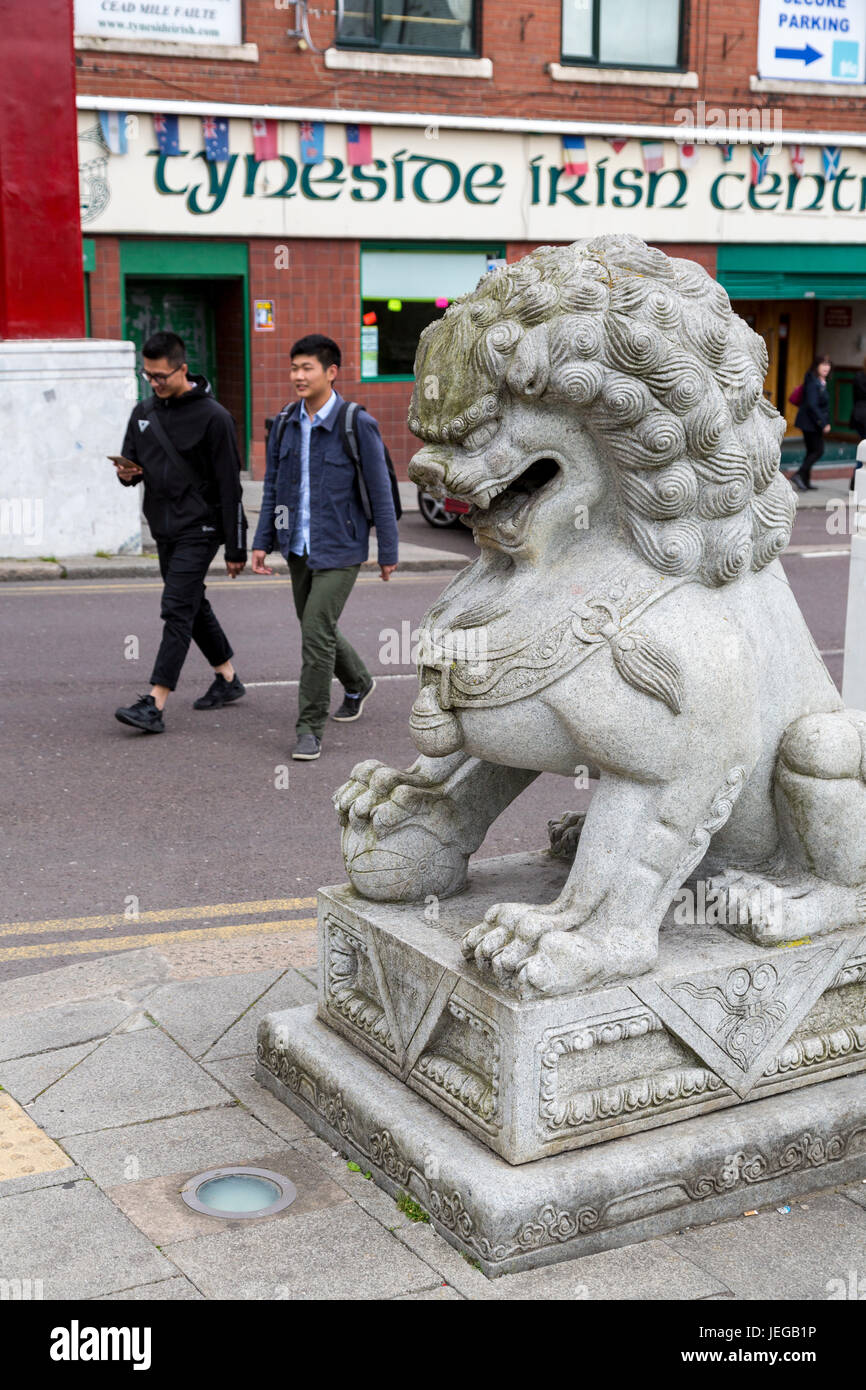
x: 181, y: 443
x: 312, y: 508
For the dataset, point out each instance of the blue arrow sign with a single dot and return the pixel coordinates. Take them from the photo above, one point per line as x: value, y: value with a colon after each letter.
x: 805, y: 55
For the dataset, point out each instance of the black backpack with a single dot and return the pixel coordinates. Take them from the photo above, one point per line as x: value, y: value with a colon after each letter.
x: 346, y: 424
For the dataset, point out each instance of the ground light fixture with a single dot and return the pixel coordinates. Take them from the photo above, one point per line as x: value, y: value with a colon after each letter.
x: 239, y: 1193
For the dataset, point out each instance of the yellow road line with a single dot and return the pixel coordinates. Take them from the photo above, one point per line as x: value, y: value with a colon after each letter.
x: 108, y: 944
x: 165, y: 914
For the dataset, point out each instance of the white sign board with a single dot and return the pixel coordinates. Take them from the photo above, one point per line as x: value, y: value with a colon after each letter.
x: 812, y: 40
x: 418, y: 189
x: 214, y: 21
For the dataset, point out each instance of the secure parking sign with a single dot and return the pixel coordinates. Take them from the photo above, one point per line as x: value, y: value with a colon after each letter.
x: 812, y: 40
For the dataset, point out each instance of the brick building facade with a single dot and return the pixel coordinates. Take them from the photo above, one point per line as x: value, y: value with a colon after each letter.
x: 517, y: 91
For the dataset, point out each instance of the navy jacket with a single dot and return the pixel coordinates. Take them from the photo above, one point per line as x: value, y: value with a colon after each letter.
x: 339, y: 530
x: 814, y: 411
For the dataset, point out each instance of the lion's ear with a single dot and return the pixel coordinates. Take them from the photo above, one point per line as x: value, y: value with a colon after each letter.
x: 530, y: 366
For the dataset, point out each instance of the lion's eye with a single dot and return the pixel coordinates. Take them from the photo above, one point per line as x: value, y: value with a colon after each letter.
x: 480, y: 436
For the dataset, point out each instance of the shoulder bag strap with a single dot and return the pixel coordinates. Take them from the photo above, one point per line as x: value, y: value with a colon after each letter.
x: 348, y: 413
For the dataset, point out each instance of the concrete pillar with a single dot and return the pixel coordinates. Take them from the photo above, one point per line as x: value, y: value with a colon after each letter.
x: 64, y: 398
x: 854, y: 671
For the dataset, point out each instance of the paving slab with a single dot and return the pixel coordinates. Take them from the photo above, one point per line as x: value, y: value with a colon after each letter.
x: 338, y: 1253
x: 60, y: 1177
x: 649, y: 1271
x: 236, y: 1074
x: 287, y: 991
x: 157, y: 1208
x: 61, y: 1026
x: 857, y: 1192
x: 775, y: 1256
x: 207, y: 1139
x: 175, y: 1289
x: 243, y: 955
x: 197, y: 1012
x: 111, y: 974
x: 136, y: 1076
x: 364, y: 1191
x: 25, y: 1150
x: 76, y: 1241
x: 438, y: 1294
x: 26, y: 1077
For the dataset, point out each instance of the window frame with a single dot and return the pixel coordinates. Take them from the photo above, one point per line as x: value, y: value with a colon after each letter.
x: 482, y: 247
x: 375, y: 45
x: 594, y: 61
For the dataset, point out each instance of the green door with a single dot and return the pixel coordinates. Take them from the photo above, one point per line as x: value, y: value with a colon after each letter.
x: 184, y: 307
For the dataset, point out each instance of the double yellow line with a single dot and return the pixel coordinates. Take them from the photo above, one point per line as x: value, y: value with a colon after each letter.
x: 109, y: 923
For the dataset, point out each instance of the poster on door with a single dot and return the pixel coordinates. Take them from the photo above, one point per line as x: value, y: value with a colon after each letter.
x: 812, y: 40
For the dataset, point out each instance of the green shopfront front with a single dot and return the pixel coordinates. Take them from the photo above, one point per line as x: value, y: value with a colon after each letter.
x: 805, y: 300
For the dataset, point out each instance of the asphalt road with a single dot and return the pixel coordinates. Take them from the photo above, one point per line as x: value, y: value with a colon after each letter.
x: 196, y: 825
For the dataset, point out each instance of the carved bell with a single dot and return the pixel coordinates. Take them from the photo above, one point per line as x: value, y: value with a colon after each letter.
x: 434, y: 731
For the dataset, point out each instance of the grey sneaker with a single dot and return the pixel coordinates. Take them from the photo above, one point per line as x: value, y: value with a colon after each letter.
x: 353, y: 704
x: 307, y: 748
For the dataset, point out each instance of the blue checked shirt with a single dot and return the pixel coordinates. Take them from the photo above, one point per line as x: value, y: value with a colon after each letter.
x: 300, y: 541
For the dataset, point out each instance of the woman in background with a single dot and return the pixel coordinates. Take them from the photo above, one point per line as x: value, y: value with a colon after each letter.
x: 813, y: 418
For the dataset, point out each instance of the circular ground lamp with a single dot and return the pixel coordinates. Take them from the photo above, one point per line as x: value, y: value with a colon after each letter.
x: 239, y: 1193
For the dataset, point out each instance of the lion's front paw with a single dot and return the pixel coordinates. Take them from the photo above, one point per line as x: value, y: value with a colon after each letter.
x: 541, y: 950
x: 401, y: 836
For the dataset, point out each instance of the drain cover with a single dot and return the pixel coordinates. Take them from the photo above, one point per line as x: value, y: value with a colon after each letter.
x: 239, y: 1192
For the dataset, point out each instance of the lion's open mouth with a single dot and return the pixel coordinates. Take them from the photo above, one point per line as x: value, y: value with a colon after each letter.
x: 505, y: 517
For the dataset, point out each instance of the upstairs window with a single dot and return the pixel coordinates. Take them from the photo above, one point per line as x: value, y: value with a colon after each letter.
x: 409, y: 26
x: 622, y: 33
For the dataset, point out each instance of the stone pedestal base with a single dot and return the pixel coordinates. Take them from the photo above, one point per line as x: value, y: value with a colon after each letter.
x: 64, y: 405
x: 630, y: 1189
x: 716, y: 1022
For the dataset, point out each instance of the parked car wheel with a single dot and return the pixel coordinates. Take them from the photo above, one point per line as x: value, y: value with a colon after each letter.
x: 433, y: 510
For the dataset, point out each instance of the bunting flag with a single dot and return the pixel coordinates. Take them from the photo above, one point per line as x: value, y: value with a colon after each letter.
x: 798, y: 159
x: 264, y: 140
x: 688, y: 156
x: 359, y: 144
x: 215, y: 130
x: 167, y: 132
x: 574, y: 155
x: 617, y: 144
x: 727, y: 153
x: 113, y: 127
x: 760, y: 162
x: 832, y: 157
x: 653, y: 155
x: 312, y: 142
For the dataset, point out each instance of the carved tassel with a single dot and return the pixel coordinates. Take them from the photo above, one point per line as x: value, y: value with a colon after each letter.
x: 648, y: 666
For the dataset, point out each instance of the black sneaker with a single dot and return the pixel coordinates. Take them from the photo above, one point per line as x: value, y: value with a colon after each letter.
x: 220, y: 692
x: 142, y: 715
x: 353, y: 704
x: 307, y: 748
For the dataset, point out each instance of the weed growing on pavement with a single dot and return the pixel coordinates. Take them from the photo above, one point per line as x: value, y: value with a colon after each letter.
x: 411, y: 1208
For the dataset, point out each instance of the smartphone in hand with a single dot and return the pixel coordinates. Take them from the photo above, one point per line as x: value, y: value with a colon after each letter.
x: 125, y: 467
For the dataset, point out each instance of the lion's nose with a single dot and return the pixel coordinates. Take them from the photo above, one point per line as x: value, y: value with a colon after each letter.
x: 426, y: 471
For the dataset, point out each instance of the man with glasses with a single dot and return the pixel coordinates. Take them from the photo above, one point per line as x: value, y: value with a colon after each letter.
x: 181, y: 443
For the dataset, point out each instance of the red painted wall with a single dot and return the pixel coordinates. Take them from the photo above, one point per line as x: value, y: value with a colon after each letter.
x: 41, y: 276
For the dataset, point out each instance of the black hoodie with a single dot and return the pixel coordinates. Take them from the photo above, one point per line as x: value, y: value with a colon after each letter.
x: 203, y: 433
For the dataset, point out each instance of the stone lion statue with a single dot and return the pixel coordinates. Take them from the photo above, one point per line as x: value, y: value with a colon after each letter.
x: 601, y: 408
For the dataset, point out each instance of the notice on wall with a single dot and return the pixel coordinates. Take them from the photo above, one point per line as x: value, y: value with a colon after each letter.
x: 838, y: 316
x: 812, y: 40
x: 263, y: 316
x: 369, y: 351
x: 215, y: 22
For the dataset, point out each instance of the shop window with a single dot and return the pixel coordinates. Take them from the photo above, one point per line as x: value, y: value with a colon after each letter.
x: 410, y: 26
x: 402, y: 292
x: 622, y: 33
